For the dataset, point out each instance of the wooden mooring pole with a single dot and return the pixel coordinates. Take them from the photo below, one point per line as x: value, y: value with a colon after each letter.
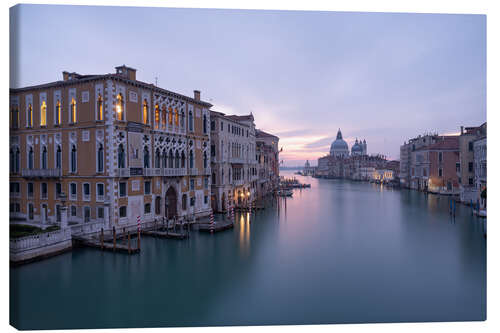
x: 102, y: 238
x: 129, y: 242
x: 139, y: 238
x: 114, y: 239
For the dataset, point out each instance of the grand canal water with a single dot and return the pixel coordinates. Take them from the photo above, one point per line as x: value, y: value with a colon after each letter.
x: 340, y: 252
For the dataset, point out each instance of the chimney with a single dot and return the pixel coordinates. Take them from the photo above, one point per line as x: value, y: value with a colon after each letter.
x: 65, y: 76
x: 461, y: 130
x: 197, y: 95
x: 127, y: 72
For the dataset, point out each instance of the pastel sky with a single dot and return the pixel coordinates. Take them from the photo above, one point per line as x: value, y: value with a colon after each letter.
x: 380, y: 77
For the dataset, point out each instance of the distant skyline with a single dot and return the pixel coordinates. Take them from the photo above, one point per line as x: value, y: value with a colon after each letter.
x: 383, y: 77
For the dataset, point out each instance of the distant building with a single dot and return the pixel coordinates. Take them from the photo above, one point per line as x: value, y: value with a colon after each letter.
x: 435, y: 166
x: 480, y: 170
x: 267, y: 162
x: 233, y: 162
x: 465, y: 169
x: 407, y: 164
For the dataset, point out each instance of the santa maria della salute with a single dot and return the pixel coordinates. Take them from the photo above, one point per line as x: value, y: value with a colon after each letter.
x: 356, y: 164
x: 339, y: 147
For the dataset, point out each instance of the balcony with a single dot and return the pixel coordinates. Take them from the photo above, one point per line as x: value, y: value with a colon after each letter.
x: 193, y: 172
x: 41, y: 173
x: 123, y: 172
x: 174, y: 172
x: 237, y: 160
x: 150, y: 172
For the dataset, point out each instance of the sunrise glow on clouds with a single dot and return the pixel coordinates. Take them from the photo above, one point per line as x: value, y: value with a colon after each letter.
x: 383, y: 77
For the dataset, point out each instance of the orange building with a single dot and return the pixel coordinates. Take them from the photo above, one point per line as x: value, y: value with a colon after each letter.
x: 115, y: 147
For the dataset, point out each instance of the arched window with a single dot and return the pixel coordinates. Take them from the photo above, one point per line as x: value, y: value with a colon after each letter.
x: 190, y: 121
x: 183, y: 119
x: 100, y: 114
x: 73, y: 158
x: 164, y: 117
x: 58, y: 113
x: 146, y: 157
x: 176, y: 118
x: 73, y: 111
x: 170, y: 159
x: 184, y: 202
x: 121, y: 156
x: 183, y: 160
x: 44, y: 157
x: 205, y: 160
x: 17, y: 161
x: 157, y: 158
x: 204, y: 124
x: 170, y: 115
x: 11, y: 160
x: 158, y: 205
x: 14, y: 114
x: 100, y: 158
x: 145, y: 112
x: 119, y: 107
x: 43, y: 114
x: 157, y: 116
x: 30, y: 116
x: 30, y: 158
x: 165, y: 159
x: 177, y: 159
x: 191, y: 159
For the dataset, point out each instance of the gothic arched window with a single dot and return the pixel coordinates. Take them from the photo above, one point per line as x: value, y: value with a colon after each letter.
x: 145, y: 112
x: 100, y: 158
x: 170, y: 159
x: 44, y: 157
x: 73, y: 158
x: 43, y: 114
x: 100, y: 114
x: 119, y: 107
x: 58, y: 112
x: 121, y: 156
x: 30, y: 158
x: 191, y: 159
x: 177, y: 159
x: 146, y: 157
x: 157, y: 158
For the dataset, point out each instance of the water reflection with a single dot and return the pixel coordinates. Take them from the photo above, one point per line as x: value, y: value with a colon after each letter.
x: 244, y: 233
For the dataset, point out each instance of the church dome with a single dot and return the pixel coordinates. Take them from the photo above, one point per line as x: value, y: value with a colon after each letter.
x: 357, y: 148
x: 339, y: 146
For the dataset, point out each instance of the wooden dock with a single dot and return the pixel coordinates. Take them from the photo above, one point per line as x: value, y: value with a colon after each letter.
x: 164, y: 234
x: 216, y: 227
x: 106, y: 246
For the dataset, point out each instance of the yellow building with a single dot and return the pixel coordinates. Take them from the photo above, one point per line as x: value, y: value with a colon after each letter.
x: 115, y: 147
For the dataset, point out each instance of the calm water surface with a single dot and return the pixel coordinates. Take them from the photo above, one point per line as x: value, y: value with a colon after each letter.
x: 340, y: 252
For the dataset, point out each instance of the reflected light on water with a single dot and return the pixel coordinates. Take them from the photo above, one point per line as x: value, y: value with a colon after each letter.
x: 244, y: 233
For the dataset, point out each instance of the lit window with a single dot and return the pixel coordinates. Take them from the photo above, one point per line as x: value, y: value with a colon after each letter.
x: 163, y: 117
x: 176, y: 117
x: 30, y: 116
x: 73, y: 111
x: 119, y: 107
x: 170, y: 115
x: 157, y: 116
x: 58, y: 112
x: 43, y: 114
x: 145, y: 112
x: 100, y: 114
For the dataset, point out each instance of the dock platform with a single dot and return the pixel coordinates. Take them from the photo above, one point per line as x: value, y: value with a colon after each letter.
x: 106, y: 246
x: 164, y: 234
x: 216, y: 227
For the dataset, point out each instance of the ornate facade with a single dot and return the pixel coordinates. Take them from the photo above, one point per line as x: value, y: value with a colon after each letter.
x: 110, y: 148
